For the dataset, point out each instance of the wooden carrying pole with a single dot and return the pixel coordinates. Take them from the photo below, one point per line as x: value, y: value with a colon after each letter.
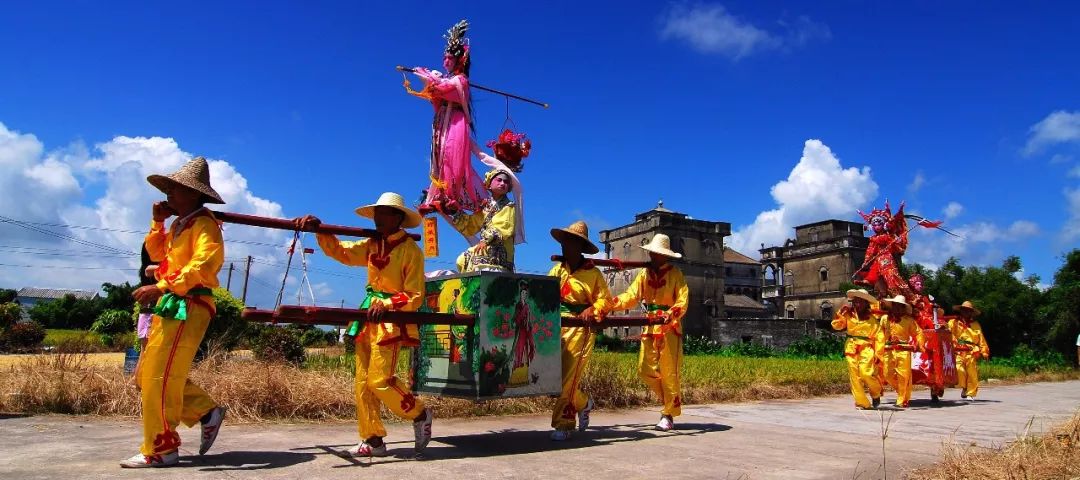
x: 613, y: 322
x: 344, y: 316
x: 611, y: 263
x: 286, y: 224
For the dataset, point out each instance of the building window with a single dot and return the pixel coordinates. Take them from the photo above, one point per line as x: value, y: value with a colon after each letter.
x: 791, y: 311
x: 644, y: 241
x: 813, y: 236
x: 626, y: 249
x: 747, y: 339
x: 727, y: 271
x: 766, y: 340
x: 823, y: 273
x: 826, y: 310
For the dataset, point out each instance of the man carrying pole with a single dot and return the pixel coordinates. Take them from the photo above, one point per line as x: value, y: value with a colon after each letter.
x: 189, y: 256
x: 863, y: 348
x: 662, y: 287
x: 395, y: 283
x: 584, y: 294
x: 902, y: 336
x: 970, y: 347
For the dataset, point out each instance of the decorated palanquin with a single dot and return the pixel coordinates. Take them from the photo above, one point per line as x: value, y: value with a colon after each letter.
x: 512, y: 349
x: 935, y: 366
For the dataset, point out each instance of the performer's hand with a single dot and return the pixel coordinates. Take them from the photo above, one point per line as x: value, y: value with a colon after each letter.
x: 375, y: 310
x: 162, y: 211
x: 307, y: 223
x: 845, y: 310
x: 150, y: 270
x: 147, y: 295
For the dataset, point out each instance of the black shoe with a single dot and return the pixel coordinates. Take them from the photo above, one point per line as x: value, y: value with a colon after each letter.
x: 875, y: 402
x: 934, y: 399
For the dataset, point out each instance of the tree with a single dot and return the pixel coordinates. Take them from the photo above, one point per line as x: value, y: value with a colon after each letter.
x: 7, y: 295
x: 67, y: 312
x: 1060, y: 312
x: 117, y: 297
x: 10, y: 314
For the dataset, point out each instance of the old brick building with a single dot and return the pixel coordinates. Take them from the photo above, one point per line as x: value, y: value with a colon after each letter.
x: 802, y: 278
x: 702, y: 245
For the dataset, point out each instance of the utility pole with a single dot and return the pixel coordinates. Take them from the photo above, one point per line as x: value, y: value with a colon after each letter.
x: 343, y: 303
x: 228, y: 283
x: 247, y: 270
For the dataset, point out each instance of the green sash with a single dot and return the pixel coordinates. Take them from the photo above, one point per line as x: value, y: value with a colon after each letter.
x: 572, y: 309
x: 354, y: 327
x: 175, y: 307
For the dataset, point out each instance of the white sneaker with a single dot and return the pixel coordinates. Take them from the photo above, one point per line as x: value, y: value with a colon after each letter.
x: 422, y: 430
x: 211, y: 428
x: 151, y: 461
x: 583, y: 416
x: 560, y: 435
x: 364, y: 449
x: 665, y: 424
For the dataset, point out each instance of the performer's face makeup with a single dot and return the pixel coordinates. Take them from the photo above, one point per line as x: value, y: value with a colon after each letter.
x: 916, y: 284
x: 878, y: 225
x: 449, y: 64
x: 388, y: 219
x: 499, y: 185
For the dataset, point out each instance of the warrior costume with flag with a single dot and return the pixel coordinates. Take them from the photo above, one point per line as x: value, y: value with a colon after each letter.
x: 887, y: 245
x: 902, y: 337
x: 863, y: 348
x: 664, y: 293
x: 971, y: 346
x: 189, y: 255
x: 579, y: 290
x: 395, y: 272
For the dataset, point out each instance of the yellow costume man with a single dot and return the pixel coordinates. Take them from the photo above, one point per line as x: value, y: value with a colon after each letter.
x: 496, y: 226
x: 863, y: 348
x: 902, y: 336
x: 395, y: 272
x: 970, y: 346
x: 190, y: 254
x: 584, y: 294
x: 662, y: 287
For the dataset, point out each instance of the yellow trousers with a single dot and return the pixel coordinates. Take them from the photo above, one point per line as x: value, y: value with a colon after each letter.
x: 967, y: 373
x: 577, y: 346
x: 375, y: 383
x: 898, y: 374
x: 660, y: 365
x: 168, y: 397
x: 863, y: 373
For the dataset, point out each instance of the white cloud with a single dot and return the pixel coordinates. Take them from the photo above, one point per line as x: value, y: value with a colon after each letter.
x: 48, y: 187
x: 979, y: 243
x: 952, y: 210
x: 1058, y: 127
x: 1060, y: 158
x: 1074, y: 172
x: 818, y: 188
x: 711, y: 29
x: 917, y: 182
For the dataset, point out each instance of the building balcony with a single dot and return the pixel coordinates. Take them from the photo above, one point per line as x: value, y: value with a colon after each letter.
x: 772, y: 291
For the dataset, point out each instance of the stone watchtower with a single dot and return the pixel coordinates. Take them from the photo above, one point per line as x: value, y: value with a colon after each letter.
x: 702, y: 245
x: 802, y: 278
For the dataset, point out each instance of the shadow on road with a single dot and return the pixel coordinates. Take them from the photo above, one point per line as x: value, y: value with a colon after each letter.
x: 5, y: 416
x: 496, y: 443
x: 229, y: 461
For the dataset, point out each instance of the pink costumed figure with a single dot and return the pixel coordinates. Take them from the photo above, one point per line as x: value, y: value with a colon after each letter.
x: 455, y: 185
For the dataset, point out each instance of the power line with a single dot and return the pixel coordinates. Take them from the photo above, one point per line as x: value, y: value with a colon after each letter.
x: 65, y: 267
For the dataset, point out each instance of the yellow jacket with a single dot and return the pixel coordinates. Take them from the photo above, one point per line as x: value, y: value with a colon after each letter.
x: 395, y: 267
x: 495, y: 226
x: 901, y: 333
x: 861, y: 333
x: 582, y: 288
x: 190, y: 253
x: 661, y: 291
x: 969, y: 334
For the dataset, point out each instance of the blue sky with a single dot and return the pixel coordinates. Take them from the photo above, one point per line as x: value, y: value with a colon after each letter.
x: 707, y: 105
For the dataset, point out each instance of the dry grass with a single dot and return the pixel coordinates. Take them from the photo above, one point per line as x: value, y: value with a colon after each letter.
x: 257, y: 391
x: 1055, y: 454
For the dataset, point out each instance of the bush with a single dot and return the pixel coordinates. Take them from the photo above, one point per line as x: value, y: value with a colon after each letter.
x: 278, y: 344
x: 112, y: 322
x: 827, y: 346
x: 23, y: 337
x: 748, y: 349
x: 616, y: 344
x: 227, y: 329
x: 1028, y: 360
x: 67, y: 312
x: 10, y: 314
x: 701, y: 346
x: 317, y: 337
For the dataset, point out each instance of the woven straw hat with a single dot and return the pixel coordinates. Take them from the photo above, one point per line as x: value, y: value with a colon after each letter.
x: 577, y: 231
x: 968, y: 305
x: 391, y: 199
x: 898, y: 300
x: 194, y: 175
x: 860, y: 293
x: 661, y: 244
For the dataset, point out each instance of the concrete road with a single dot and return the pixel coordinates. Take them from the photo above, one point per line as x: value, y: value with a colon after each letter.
x: 821, y: 438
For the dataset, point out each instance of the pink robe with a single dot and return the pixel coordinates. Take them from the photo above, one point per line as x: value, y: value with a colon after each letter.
x: 452, y: 173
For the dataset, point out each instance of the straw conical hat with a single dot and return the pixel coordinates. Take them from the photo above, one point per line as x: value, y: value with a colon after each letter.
x: 194, y: 175
x: 661, y: 244
x: 898, y: 300
x: 576, y: 231
x: 393, y: 200
x: 860, y: 293
x: 968, y: 305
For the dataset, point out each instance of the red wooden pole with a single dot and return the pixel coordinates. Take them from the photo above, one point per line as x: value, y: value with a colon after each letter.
x: 286, y: 224
x: 612, y: 263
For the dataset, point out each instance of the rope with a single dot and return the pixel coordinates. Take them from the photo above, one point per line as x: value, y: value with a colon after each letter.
x: 288, y: 265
